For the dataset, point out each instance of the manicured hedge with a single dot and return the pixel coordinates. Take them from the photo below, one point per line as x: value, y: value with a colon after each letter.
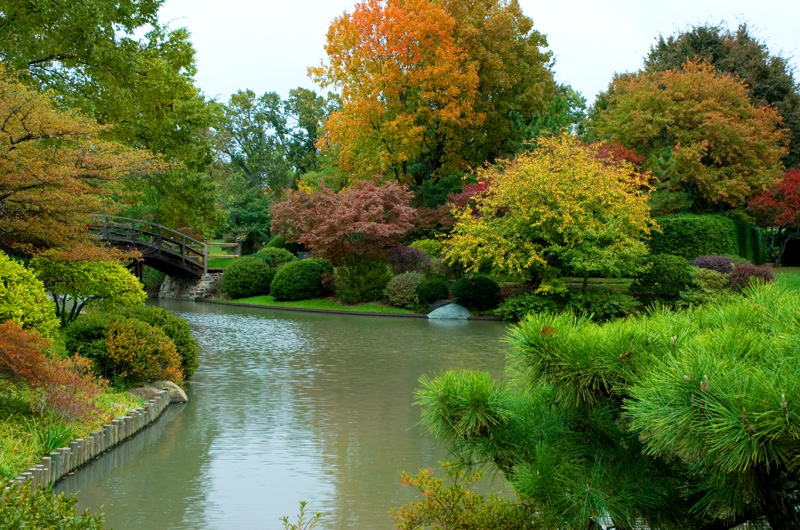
x: 691, y: 236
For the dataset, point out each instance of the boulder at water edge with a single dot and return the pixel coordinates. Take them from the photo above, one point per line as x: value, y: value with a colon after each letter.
x: 151, y: 390
x: 450, y: 312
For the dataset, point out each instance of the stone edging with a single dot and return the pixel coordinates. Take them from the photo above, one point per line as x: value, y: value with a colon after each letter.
x: 337, y: 311
x: 65, y: 460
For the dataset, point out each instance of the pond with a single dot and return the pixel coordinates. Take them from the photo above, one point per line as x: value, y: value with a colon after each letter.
x: 288, y: 406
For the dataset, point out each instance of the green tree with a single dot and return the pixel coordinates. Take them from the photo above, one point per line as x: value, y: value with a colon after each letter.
x: 708, y: 145
x: 562, y: 205
x: 75, y: 280
x: 769, y: 78
x: 672, y: 420
x: 23, y: 298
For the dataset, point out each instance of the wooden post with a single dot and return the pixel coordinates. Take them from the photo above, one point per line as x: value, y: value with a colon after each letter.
x: 238, y: 247
x: 205, y: 255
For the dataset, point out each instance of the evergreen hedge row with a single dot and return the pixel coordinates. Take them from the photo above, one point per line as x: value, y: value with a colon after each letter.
x: 691, y: 236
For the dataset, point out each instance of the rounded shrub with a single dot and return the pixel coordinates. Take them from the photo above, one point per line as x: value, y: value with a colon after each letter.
x: 401, y: 291
x: 86, y: 336
x: 407, y: 259
x: 479, y: 293
x: 709, y: 285
x: 744, y: 273
x: 247, y: 276
x: 277, y: 242
x: 432, y: 289
x: 605, y: 306
x: 23, y: 298
x: 275, y: 257
x: 363, y: 282
x: 663, y: 276
x: 177, y: 329
x: 139, y: 352
x: 301, y: 280
x: 722, y: 264
x: 514, y: 309
x: 431, y: 247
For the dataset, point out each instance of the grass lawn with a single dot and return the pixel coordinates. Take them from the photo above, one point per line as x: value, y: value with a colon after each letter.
x: 321, y: 303
x: 788, y: 276
x: 219, y: 263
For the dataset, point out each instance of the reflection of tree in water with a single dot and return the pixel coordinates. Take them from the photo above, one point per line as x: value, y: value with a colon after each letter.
x: 360, y: 389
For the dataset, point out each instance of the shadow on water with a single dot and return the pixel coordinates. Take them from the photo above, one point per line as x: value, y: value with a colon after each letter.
x: 287, y: 407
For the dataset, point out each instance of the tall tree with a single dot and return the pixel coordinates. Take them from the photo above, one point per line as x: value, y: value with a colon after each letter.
x: 407, y: 89
x: 769, y: 78
x: 56, y: 169
x: 708, y: 145
x: 88, y: 53
x: 777, y: 210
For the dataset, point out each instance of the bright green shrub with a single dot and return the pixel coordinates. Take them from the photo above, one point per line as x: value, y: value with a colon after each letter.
x: 21, y: 508
x: 431, y: 247
x: 514, y: 309
x: 432, y: 289
x: 152, y: 278
x: 86, y: 336
x: 709, y: 285
x: 177, y: 329
x: 363, y: 282
x: 479, y: 293
x: 605, y: 306
x: 401, y: 291
x: 663, y: 276
x: 23, y: 298
x: 275, y: 257
x: 139, y: 352
x: 247, y: 276
x: 301, y: 280
x: 277, y: 242
x: 691, y: 236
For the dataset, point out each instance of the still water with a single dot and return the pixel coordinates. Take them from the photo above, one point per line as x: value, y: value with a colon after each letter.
x: 286, y: 407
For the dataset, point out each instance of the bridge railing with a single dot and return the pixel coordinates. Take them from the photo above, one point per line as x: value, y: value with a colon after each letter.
x: 140, y: 234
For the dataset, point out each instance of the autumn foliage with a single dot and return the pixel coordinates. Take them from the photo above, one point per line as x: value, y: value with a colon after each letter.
x: 56, y: 169
x: 63, y: 386
x: 407, y: 88
x: 361, y: 221
x: 698, y: 132
x: 778, y: 210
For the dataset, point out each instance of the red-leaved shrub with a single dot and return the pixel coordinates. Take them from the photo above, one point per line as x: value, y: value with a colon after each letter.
x: 64, y: 386
x: 745, y: 272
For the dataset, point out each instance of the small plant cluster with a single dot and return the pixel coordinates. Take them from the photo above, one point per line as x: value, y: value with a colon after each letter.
x: 146, y: 344
x: 21, y: 507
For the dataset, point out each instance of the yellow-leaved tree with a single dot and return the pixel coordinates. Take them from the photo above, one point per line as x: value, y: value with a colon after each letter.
x: 566, y: 205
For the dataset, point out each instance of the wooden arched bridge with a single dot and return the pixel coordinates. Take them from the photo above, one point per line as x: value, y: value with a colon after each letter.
x: 162, y: 248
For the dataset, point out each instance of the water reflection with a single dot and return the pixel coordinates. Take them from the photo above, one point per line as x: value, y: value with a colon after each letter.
x: 288, y: 407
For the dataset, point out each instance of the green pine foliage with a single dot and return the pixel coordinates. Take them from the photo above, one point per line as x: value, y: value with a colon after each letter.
x: 670, y: 420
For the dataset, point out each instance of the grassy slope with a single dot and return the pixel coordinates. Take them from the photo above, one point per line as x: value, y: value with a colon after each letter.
x: 321, y: 303
x: 788, y: 276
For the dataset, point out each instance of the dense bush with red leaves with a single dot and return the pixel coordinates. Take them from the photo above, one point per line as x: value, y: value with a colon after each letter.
x: 64, y: 386
x: 744, y: 273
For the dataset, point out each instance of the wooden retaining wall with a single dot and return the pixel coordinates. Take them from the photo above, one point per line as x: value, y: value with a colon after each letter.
x: 65, y: 460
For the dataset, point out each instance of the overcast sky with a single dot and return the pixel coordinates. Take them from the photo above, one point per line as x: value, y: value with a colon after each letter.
x: 267, y: 45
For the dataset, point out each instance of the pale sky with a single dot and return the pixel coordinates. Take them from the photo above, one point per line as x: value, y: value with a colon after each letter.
x: 267, y: 45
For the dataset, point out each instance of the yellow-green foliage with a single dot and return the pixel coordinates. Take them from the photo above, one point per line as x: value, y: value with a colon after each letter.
x: 562, y: 201
x: 139, y: 352
x: 87, y: 283
x: 431, y: 247
x: 23, y: 298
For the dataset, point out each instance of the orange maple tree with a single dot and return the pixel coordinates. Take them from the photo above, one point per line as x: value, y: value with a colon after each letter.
x: 407, y: 88
x: 56, y: 169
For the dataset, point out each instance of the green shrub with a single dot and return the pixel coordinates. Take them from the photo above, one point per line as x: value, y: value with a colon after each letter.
x: 408, y: 259
x: 139, y: 352
x: 277, y: 242
x: 479, y: 293
x: 152, y: 278
x: 751, y: 242
x: 432, y: 289
x: 431, y: 247
x: 709, y: 285
x: 363, y: 282
x: 23, y: 298
x: 401, y: 291
x: 514, y: 309
x: 21, y: 508
x: 440, y: 269
x: 124, y: 350
x: 301, y: 280
x: 691, y: 236
x: 247, y: 276
x: 275, y: 257
x: 605, y: 306
x: 663, y: 276
x: 177, y: 329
